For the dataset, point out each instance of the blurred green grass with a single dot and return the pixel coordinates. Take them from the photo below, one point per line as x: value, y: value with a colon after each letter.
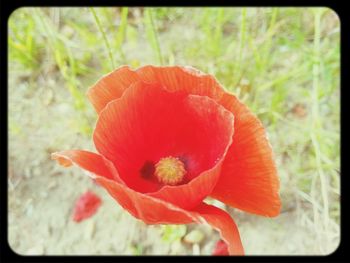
x: 282, y: 62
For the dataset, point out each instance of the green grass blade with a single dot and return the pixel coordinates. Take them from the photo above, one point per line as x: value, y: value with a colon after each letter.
x: 97, y: 20
x: 152, y: 35
x: 121, y: 32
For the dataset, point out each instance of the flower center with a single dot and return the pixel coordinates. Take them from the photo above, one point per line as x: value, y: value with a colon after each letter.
x: 170, y: 170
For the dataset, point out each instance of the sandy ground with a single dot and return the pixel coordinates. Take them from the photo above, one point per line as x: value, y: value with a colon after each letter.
x: 42, y: 194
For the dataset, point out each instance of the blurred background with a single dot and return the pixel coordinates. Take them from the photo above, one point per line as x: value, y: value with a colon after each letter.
x: 281, y: 62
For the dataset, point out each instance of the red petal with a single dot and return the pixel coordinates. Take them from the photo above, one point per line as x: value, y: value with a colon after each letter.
x: 146, y: 208
x: 91, y: 162
x: 221, y: 249
x: 187, y: 79
x: 152, y: 210
x: 111, y: 86
x: 149, y: 123
x: 86, y: 206
x: 155, y: 211
x: 249, y: 179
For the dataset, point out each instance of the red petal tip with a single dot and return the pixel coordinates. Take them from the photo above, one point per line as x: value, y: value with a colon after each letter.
x: 61, y: 160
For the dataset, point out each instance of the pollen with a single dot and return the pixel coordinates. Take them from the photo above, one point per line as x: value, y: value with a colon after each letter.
x: 170, y: 170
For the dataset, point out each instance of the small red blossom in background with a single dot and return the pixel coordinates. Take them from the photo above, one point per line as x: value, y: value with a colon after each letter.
x: 86, y: 206
x: 167, y: 138
x: 220, y: 249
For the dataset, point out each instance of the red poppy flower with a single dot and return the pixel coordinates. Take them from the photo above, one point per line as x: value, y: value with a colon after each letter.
x: 86, y: 206
x: 168, y: 137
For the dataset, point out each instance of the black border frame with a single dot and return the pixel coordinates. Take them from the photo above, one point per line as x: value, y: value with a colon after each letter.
x: 8, y: 255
